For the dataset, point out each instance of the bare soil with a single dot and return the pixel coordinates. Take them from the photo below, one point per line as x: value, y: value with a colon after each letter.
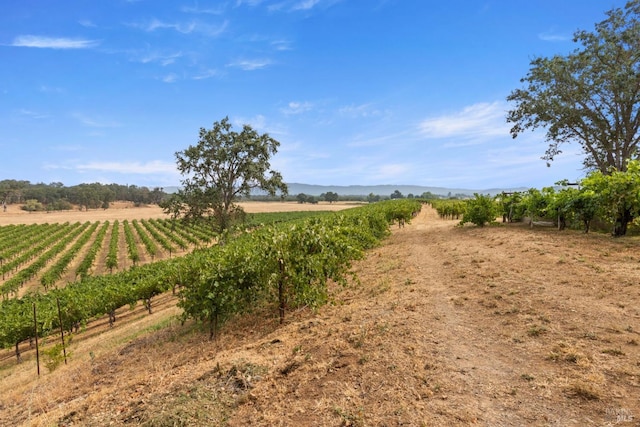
x: 446, y: 325
x: 126, y: 210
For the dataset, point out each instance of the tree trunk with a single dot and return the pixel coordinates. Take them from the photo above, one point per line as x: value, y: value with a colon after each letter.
x: 562, y: 222
x: 213, y: 327
x: 622, y: 221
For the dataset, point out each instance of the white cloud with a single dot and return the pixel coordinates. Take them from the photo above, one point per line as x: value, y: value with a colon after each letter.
x: 281, y: 45
x: 250, y: 64
x: 52, y: 42
x: 260, y: 124
x: 305, y: 5
x: 183, y: 27
x: 162, y: 59
x: 295, y: 107
x: 478, y: 121
x: 360, y: 111
x: 33, y: 114
x: 391, y: 171
x: 50, y: 89
x: 156, y: 24
x: 381, y: 139
x: 195, y: 9
x: 87, y: 23
x: 151, y: 167
x: 248, y: 2
x: 95, y: 122
x: 207, y: 74
x: 550, y: 36
x: 256, y: 122
x: 170, y: 78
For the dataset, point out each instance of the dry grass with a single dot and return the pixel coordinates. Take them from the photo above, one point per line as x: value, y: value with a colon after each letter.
x: 126, y: 210
x: 446, y: 326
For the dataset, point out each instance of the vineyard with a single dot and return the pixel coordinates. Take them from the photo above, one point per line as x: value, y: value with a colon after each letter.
x: 72, y: 273
x: 440, y: 325
x: 608, y: 202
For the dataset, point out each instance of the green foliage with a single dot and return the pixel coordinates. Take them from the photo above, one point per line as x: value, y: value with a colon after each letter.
x: 589, y: 96
x: 396, y: 195
x: 448, y: 208
x: 618, y: 192
x: 480, y: 210
x: 585, y: 205
x: 372, y: 198
x: 112, y: 256
x: 54, y: 356
x: 221, y: 167
x: 132, y: 247
x: 32, y: 205
x: 83, y: 269
x: 510, y: 206
x: 329, y: 196
x: 286, y: 264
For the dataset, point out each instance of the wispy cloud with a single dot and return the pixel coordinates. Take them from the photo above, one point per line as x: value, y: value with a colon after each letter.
x: 33, y: 114
x: 381, y: 139
x: 162, y: 59
x: 207, y: 74
x: 248, y: 2
x: 481, y: 120
x: 250, y: 64
x: 87, y: 23
x: 392, y: 171
x: 170, y: 78
x: 305, y: 5
x: 360, y: 111
x: 295, y: 107
x: 209, y: 11
x: 95, y: 122
x: 138, y: 168
x: 301, y: 5
x: 552, y: 36
x: 53, y: 42
x: 182, y: 27
x: 257, y: 122
x: 281, y: 45
x: 260, y: 123
x: 51, y: 89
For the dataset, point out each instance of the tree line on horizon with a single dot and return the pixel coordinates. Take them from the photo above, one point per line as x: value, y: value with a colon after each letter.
x: 57, y: 196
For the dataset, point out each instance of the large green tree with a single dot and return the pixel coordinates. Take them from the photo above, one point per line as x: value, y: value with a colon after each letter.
x: 223, y: 166
x: 590, y: 96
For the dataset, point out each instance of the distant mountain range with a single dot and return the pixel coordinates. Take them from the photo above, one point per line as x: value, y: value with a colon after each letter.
x: 386, y: 190
x: 381, y: 190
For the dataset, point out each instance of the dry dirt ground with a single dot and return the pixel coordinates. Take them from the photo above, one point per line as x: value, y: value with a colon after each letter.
x: 126, y: 210
x: 494, y: 326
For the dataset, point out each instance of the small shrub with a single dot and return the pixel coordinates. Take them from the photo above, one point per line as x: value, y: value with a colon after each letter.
x: 53, y: 357
x: 480, y: 211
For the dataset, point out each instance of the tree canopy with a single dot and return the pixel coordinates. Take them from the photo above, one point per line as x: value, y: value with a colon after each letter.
x: 590, y: 97
x: 223, y: 166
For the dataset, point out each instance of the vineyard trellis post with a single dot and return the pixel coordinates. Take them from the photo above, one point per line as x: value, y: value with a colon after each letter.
x: 35, y: 333
x: 64, y: 350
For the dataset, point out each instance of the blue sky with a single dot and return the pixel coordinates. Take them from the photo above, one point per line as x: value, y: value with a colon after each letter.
x: 358, y: 92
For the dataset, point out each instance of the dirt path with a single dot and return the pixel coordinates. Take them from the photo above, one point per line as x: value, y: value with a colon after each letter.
x: 455, y: 326
x: 495, y: 326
